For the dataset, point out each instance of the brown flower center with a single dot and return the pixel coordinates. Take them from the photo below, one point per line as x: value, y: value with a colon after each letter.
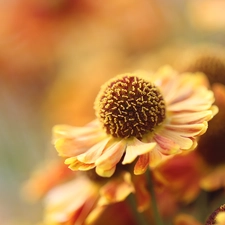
x: 129, y: 106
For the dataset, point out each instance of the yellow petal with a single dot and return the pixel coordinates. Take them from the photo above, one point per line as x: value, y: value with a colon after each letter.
x: 111, y: 156
x: 69, y: 147
x: 105, y: 173
x: 75, y: 164
x: 91, y: 155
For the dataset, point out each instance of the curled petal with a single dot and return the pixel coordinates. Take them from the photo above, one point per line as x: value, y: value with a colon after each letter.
x: 136, y: 148
x: 93, y: 153
x: 142, y: 164
x: 65, y: 202
x: 156, y: 157
x: 116, y: 190
x: 75, y: 164
x: 112, y: 155
x: 105, y: 173
x: 167, y: 145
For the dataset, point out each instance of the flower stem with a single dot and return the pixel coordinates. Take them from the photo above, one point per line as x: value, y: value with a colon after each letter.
x: 137, y: 215
x: 157, y: 217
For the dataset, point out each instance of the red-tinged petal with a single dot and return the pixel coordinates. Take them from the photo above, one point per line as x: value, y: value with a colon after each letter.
x: 136, y: 148
x: 188, y: 130
x: 116, y: 190
x: 184, y: 142
x: 141, y: 192
x: 167, y: 145
x: 156, y: 157
x: 142, y: 164
x: 64, y: 203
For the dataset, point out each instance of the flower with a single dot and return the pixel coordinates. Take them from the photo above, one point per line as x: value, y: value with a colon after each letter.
x: 44, y: 178
x: 83, y: 200
x: 206, y: 58
x: 149, y: 116
x: 211, y: 145
x: 74, y: 197
x: 181, y: 175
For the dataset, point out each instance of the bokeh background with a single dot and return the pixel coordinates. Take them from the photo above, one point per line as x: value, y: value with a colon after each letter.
x: 54, y: 56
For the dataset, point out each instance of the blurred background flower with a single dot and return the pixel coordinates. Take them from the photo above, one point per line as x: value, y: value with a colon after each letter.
x: 54, y: 55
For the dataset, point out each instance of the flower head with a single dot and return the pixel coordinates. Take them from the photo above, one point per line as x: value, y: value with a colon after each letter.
x: 149, y: 116
x: 129, y: 106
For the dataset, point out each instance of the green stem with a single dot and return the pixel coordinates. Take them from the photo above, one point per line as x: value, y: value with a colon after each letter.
x: 157, y: 217
x: 138, y: 216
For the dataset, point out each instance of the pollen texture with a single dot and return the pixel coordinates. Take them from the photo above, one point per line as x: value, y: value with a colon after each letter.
x: 129, y: 106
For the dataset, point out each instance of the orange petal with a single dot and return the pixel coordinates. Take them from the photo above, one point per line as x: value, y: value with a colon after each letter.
x: 142, y: 164
x: 156, y: 157
x: 116, y: 190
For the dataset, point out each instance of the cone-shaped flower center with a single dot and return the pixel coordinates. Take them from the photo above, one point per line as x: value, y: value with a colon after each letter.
x: 129, y: 106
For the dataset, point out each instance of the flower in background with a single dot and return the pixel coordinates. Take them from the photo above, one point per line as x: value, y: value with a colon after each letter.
x: 206, y: 58
x: 149, y: 116
x: 181, y: 175
x: 72, y: 198
x: 44, y: 178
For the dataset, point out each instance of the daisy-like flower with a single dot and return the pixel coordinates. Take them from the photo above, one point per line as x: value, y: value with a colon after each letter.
x: 139, y: 115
